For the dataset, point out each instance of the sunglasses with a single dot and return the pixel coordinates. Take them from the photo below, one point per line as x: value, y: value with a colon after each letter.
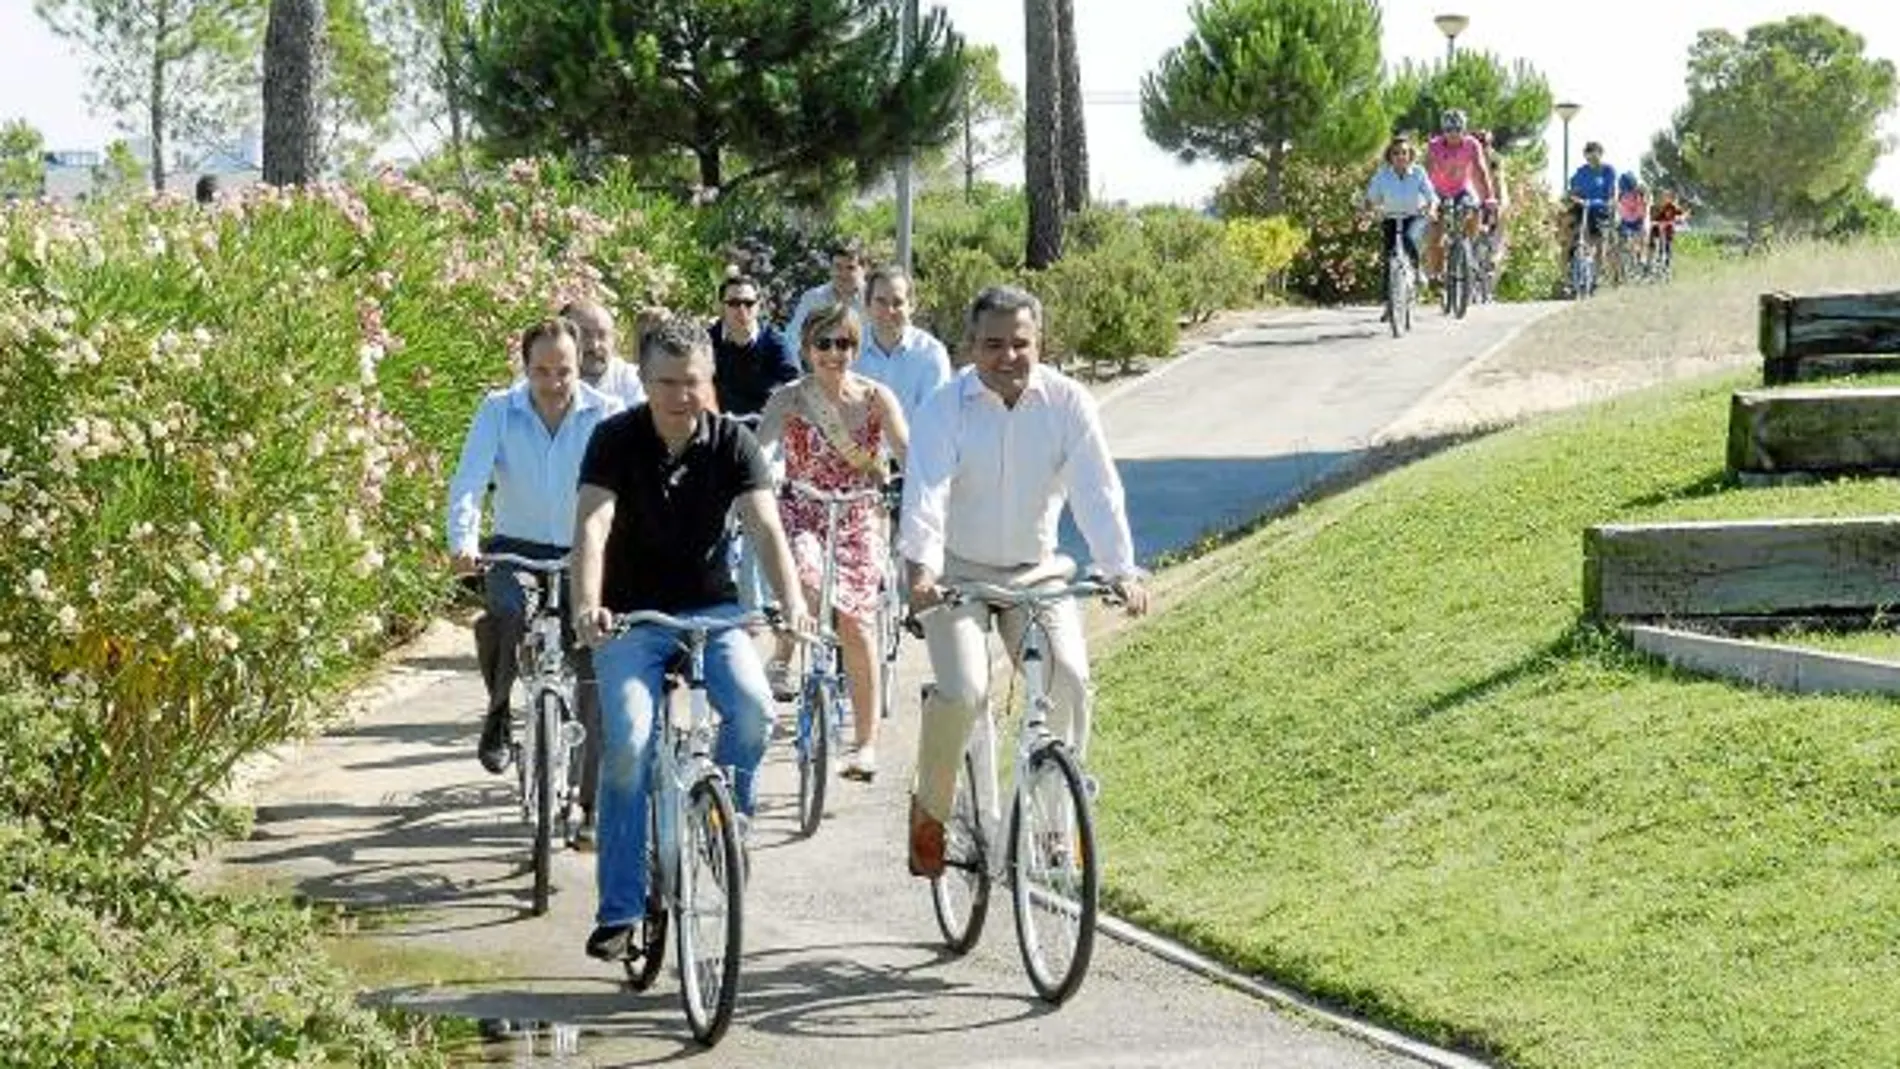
x: 741, y: 302
x: 826, y: 345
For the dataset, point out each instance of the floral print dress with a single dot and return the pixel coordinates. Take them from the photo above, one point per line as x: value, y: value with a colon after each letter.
x: 861, y: 548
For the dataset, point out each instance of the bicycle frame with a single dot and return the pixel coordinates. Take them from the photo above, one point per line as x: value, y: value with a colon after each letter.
x: 544, y: 671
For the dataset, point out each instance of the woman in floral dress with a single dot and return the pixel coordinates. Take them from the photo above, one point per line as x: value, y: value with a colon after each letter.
x: 835, y: 429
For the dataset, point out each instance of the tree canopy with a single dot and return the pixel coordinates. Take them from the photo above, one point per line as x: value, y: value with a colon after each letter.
x: 1782, y: 124
x: 745, y: 89
x: 1512, y: 101
x: 1260, y: 78
x: 22, y: 159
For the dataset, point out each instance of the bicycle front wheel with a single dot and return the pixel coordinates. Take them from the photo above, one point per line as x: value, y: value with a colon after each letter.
x: 890, y: 633
x: 709, y: 912
x: 961, y: 894
x: 547, y: 789
x: 814, y: 754
x: 1055, y: 872
x: 1458, y: 279
x: 1398, y: 295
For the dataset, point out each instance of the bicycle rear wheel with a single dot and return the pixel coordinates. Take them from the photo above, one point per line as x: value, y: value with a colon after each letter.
x: 814, y: 754
x: 710, y: 910
x: 1056, y: 873
x: 961, y: 894
x: 547, y: 790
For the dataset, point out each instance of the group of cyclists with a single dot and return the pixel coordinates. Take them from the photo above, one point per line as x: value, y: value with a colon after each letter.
x: 659, y: 480
x: 1460, y: 169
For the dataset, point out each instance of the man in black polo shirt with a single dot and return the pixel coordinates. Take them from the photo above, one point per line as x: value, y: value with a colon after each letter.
x: 657, y: 485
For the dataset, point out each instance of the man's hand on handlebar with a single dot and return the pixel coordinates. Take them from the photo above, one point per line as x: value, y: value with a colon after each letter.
x: 592, y: 626
x: 1133, y: 594
x: 466, y: 565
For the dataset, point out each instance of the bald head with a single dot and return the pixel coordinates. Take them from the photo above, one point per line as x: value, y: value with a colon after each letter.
x: 594, y: 324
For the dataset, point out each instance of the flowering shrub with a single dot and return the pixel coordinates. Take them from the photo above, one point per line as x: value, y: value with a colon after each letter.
x: 222, y: 452
x: 1267, y: 246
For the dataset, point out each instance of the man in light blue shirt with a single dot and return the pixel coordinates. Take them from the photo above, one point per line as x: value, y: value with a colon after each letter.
x: 907, y: 360
x: 528, y: 441
x: 846, y: 287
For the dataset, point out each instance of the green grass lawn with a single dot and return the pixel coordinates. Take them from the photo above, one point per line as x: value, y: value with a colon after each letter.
x: 1381, y: 759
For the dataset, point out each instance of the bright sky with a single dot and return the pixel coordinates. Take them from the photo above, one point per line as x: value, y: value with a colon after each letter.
x: 1627, y: 95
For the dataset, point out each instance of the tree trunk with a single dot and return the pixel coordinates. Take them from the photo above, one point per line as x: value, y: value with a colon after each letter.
x: 1075, y: 147
x: 1042, y: 147
x: 1275, y: 164
x: 161, y: 34
x: 711, y: 176
x: 969, y: 148
x: 293, y: 49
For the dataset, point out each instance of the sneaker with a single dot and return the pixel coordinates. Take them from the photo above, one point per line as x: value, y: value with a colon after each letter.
x: 612, y: 942
x: 779, y: 675
x: 497, y: 741
x: 926, y: 843
x: 860, y: 764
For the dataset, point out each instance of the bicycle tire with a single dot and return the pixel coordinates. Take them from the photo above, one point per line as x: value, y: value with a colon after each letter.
x: 709, y: 855
x: 890, y: 635
x: 814, y: 754
x: 1053, y: 769
x: 1460, y: 287
x: 960, y: 895
x: 643, y: 970
x: 547, y: 722
x: 1398, y: 296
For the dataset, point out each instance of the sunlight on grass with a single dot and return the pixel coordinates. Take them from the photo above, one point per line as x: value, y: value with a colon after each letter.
x: 1381, y: 758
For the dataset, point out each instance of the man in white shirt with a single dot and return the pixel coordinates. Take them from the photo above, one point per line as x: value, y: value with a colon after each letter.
x: 907, y: 360
x: 846, y: 287
x: 601, y: 365
x: 993, y: 457
x: 527, y: 441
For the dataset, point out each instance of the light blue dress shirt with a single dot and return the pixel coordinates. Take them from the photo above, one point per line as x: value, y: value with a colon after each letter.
x: 536, y: 473
x: 912, y: 370
x: 812, y: 300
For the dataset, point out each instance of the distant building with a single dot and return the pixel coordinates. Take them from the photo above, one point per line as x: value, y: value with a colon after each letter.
x: 237, y: 164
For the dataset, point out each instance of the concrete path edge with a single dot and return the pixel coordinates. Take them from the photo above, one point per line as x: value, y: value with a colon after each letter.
x: 1766, y: 664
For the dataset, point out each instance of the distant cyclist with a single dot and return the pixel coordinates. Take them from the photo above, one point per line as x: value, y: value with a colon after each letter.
x: 1664, y: 218
x: 1456, y: 164
x: 1632, y: 213
x: 1403, y: 197
x: 1492, y: 217
x: 1592, y: 192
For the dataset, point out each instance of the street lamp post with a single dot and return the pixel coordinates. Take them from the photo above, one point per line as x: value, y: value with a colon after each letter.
x: 906, y: 167
x: 1567, y: 111
x: 1451, y: 26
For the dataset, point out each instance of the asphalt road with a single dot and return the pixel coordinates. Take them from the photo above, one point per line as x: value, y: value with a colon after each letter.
x: 843, y: 967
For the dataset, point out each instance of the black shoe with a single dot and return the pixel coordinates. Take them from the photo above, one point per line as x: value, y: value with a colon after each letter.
x: 612, y: 942
x: 497, y: 737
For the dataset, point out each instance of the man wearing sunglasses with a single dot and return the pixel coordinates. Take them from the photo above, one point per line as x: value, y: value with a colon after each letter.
x: 750, y: 359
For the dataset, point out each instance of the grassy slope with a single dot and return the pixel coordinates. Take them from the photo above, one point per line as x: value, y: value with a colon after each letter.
x: 1382, y: 760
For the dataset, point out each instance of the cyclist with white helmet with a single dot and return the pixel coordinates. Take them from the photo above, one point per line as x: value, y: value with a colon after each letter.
x: 1455, y: 162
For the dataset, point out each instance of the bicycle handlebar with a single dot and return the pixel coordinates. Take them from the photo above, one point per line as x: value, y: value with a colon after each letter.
x: 708, y: 625
x: 1012, y: 597
x: 529, y: 564
x: 829, y: 497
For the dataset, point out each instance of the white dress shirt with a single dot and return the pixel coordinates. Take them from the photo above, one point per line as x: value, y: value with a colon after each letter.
x: 912, y: 369
x: 986, y: 483
x: 812, y: 300
x: 622, y: 380
x: 536, y: 474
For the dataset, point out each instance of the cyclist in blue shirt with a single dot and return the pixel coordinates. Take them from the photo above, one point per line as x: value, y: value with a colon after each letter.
x: 1592, y: 194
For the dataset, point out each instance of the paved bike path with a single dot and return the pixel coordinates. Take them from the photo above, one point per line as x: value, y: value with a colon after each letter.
x: 843, y: 967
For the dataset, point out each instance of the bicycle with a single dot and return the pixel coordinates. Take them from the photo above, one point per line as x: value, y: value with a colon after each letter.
x: 1051, y: 861
x: 694, y: 840
x: 1399, y: 293
x: 1584, y: 253
x: 551, y: 734
x: 821, y: 696
x: 1456, y: 295
x: 892, y: 604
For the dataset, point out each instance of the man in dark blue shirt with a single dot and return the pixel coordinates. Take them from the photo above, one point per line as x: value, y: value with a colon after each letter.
x: 1592, y: 190
x: 750, y: 359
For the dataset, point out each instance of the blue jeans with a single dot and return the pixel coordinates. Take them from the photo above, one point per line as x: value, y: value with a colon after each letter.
x: 632, y: 672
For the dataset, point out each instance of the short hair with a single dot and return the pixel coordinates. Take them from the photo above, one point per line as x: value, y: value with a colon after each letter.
x: 674, y: 337
x: 1005, y: 299
x: 555, y: 327
x: 889, y: 274
x: 207, y: 189
x: 727, y: 284
x: 1398, y: 142
x: 827, y: 317
x: 851, y: 247
x: 1592, y: 146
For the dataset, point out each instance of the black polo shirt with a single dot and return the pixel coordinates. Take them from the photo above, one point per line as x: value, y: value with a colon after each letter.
x: 668, y: 546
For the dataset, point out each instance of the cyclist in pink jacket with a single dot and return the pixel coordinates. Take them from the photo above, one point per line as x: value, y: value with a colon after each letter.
x: 1456, y: 164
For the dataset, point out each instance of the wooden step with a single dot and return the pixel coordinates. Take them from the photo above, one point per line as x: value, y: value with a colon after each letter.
x: 1814, y: 431
x: 1741, y: 568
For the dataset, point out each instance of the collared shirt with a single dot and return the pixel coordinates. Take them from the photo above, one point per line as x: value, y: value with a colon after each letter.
x: 912, y: 370
x: 812, y: 300
x: 622, y: 380
x: 746, y: 374
x: 1393, y: 193
x: 667, y: 548
x: 1594, y: 184
x: 986, y: 483
x: 535, y: 471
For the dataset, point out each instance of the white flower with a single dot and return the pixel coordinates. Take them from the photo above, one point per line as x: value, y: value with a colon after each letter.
x: 67, y: 618
x: 227, y: 601
x: 202, y: 572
